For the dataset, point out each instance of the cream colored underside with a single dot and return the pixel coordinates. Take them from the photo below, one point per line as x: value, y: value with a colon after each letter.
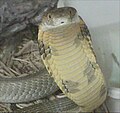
x: 73, y: 66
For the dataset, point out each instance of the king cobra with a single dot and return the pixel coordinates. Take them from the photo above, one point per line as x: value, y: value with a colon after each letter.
x: 67, y: 52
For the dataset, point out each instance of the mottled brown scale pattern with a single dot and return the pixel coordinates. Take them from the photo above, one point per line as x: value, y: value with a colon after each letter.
x: 89, y: 72
x: 70, y: 86
x: 103, y: 90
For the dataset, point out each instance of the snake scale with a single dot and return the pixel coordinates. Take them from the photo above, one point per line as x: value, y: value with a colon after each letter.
x: 58, y: 105
x: 67, y: 53
x: 28, y: 88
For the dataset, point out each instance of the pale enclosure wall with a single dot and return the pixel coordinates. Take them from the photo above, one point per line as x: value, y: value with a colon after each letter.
x: 103, y: 20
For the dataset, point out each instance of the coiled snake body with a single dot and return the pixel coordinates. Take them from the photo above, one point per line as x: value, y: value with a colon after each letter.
x: 67, y: 53
x: 28, y: 88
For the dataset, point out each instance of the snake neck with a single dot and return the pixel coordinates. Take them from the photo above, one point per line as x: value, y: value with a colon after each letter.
x: 62, y: 38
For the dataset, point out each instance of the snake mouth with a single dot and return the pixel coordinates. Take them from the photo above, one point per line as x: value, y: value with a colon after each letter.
x: 59, y: 18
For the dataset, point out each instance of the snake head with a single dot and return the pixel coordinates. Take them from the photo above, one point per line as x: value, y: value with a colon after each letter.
x: 59, y: 17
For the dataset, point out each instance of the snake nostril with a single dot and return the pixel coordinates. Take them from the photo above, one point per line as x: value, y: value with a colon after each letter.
x: 62, y: 22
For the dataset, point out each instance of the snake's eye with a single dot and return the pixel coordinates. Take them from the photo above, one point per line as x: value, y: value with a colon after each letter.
x: 49, y: 16
x: 72, y: 12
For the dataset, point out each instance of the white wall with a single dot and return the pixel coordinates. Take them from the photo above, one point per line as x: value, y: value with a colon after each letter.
x: 103, y: 20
